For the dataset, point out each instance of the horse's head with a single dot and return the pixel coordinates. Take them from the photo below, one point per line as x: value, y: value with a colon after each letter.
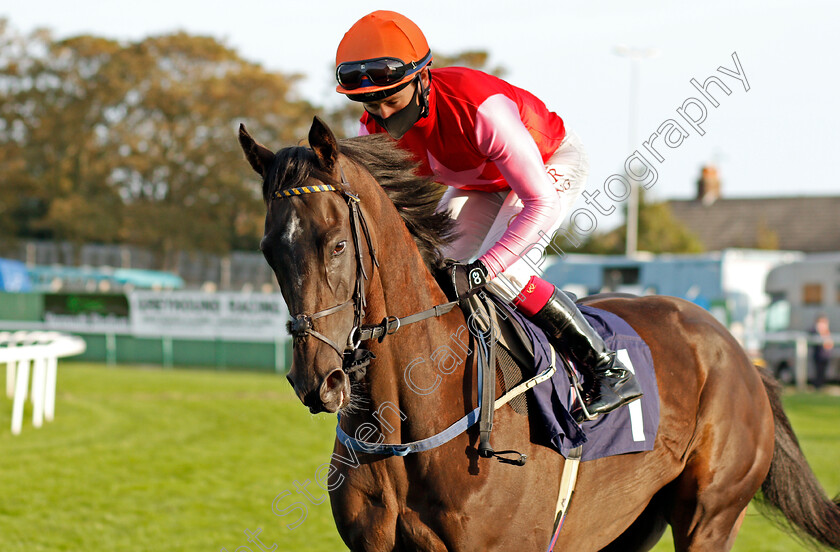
x: 311, y: 242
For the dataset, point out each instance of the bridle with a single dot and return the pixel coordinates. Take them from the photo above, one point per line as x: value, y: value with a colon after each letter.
x: 354, y: 358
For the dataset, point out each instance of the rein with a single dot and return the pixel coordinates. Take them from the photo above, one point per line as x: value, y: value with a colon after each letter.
x: 355, y: 359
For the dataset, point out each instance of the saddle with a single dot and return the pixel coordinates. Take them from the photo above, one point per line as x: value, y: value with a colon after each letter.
x: 521, y: 356
x: 505, y: 352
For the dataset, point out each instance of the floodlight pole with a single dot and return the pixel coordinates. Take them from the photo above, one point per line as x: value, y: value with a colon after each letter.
x: 632, y: 222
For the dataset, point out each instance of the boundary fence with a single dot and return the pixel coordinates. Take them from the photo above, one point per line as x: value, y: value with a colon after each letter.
x: 223, y: 330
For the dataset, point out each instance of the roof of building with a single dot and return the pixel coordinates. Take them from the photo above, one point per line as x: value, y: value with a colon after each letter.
x: 809, y: 224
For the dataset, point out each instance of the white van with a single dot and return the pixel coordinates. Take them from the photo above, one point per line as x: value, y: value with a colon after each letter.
x: 799, y: 292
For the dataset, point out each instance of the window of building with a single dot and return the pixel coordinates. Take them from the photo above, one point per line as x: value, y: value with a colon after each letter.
x: 812, y: 294
x: 778, y: 314
x: 614, y: 277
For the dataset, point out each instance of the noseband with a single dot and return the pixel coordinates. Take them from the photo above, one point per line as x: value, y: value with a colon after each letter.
x: 354, y: 358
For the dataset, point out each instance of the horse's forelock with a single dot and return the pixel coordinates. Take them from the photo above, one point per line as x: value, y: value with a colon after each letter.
x: 292, y: 167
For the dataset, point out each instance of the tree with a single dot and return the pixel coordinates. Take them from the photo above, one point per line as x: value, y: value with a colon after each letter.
x: 659, y: 232
x: 136, y: 142
x: 54, y: 109
x: 181, y: 159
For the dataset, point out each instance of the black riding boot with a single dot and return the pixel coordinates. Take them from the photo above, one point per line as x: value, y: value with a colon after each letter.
x: 608, y: 384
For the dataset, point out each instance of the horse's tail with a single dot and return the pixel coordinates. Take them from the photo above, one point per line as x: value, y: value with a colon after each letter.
x: 791, y: 487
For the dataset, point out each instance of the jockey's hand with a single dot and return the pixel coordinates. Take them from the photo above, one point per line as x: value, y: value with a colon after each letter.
x: 467, y: 277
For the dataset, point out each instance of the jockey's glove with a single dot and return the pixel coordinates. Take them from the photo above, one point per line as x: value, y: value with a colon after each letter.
x: 467, y: 278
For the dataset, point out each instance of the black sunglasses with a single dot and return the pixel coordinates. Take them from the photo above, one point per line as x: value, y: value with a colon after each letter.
x: 379, y: 71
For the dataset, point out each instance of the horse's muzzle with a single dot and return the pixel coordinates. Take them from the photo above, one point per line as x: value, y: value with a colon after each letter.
x: 330, y: 396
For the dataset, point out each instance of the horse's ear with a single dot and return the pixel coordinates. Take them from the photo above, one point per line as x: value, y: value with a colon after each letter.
x: 259, y: 156
x: 323, y: 143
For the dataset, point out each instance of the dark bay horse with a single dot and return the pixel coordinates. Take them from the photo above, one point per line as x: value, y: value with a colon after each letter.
x: 722, y: 435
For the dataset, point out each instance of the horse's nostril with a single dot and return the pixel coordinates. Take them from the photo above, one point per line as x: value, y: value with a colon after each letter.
x: 335, y: 379
x: 289, y: 379
x: 333, y: 390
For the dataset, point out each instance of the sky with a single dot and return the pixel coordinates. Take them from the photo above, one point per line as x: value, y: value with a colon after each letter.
x: 778, y: 138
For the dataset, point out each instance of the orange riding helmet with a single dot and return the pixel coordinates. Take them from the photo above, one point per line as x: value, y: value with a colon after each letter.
x: 380, y: 54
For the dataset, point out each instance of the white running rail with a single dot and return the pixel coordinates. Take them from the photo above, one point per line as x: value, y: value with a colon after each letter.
x: 39, y: 350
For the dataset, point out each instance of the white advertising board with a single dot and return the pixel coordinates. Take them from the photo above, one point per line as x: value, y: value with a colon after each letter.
x: 193, y: 314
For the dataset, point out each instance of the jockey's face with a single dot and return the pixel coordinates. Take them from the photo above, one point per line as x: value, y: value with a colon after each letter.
x: 388, y: 106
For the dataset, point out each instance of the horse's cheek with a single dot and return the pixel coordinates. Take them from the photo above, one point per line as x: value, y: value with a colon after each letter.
x: 338, y: 275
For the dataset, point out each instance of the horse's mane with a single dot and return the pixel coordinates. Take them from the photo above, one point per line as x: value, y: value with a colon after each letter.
x: 415, y: 197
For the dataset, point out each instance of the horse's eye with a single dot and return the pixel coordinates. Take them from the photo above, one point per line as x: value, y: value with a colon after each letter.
x: 339, y: 248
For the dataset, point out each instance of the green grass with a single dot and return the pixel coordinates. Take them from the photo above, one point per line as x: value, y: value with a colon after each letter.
x: 141, y: 459
x: 150, y: 459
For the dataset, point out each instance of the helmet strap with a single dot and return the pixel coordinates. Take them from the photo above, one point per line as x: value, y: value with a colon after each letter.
x: 424, y: 95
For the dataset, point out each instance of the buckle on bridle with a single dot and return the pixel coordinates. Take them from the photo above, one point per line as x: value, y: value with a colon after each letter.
x: 351, y: 196
x: 358, y: 341
x: 299, y: 326
x: 388, y: 328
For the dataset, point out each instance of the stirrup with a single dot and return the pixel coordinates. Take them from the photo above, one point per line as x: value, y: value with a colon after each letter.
x: 583, y: 412
x: 573, y: 378
x: 585, y: 415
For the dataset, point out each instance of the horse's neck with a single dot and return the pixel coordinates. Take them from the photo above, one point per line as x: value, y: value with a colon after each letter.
x: 403, y: 286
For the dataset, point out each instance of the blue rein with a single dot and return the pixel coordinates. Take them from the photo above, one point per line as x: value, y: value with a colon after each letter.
x: 404, y: 449
x: 428, y: 443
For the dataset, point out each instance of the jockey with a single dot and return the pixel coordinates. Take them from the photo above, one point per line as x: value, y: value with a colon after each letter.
x: 512, y: 169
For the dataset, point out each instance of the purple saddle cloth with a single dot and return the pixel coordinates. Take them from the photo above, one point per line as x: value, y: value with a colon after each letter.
x: 631, y: 428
